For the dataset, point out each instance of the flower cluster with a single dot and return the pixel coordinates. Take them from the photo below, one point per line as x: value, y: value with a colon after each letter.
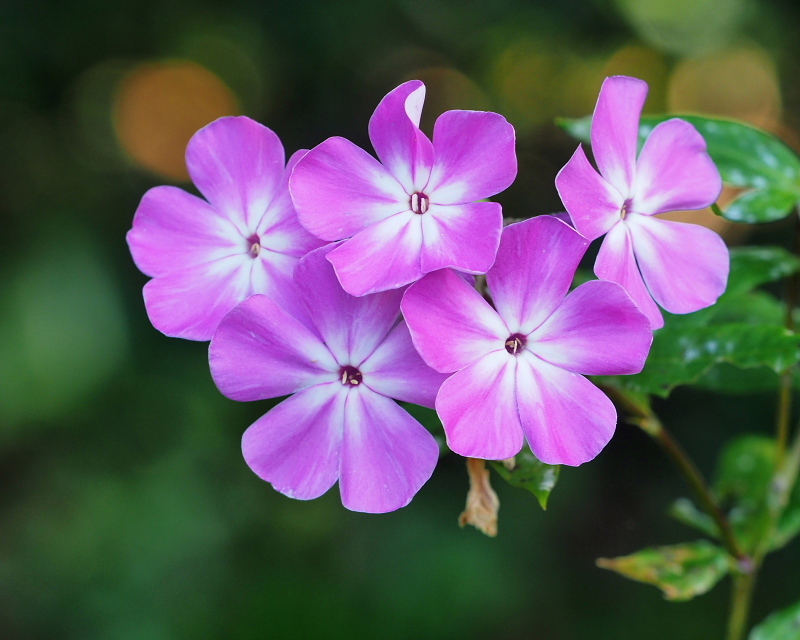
x: 347, y: 282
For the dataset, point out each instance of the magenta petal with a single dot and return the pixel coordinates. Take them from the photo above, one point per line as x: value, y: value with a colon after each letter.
x: 533, y: 271
x: 296, y: 445
x: 259, y: 351
x: 478, y: 408
x: 381, y: 257
x: 684, y: 265
x: 450, y: 323
x: 463, y: 237
x: 351, y: 327
x: 338, y: 189
x: 394, y: 131
x: 386, y: 454
x: 615, y: 130
x: 238, y: 165
x: 396, y: 370
x: 474, y: 157
x: 594, y: 205
x: 598, y: 330
x: 189, y: 303
x: 674, y: 171
x: 174, y: 230
x: 566, y: 419
x: 616, y: 262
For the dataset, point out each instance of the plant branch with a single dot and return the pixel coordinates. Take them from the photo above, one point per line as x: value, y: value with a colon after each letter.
x: 640, y: 414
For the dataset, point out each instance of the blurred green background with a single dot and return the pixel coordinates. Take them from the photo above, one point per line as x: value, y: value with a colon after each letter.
x: 126, y: 510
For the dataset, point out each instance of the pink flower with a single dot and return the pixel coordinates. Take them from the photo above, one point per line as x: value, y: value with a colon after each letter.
x: 205, y: 257
x: 417, y: 211
x: 518, y: 367
x: 682, y: 267
x: 344, y: 367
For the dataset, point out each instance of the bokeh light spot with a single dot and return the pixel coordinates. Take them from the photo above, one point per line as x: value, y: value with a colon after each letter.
x: 738, y: 83
x: 159, y: 106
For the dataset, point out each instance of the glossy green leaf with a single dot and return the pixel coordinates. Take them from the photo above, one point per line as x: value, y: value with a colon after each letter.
x: 747, y: 157
x: 761, y: 205
x: 789, y: 526
x: 530, y: 473
x: 781, y: 625
x: 681, y: 571
x: 680, y: 354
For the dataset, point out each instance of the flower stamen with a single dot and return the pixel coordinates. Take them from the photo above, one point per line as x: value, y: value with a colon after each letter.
x: 419, y: 202
x: 350, y: 376
x: 515, y: 343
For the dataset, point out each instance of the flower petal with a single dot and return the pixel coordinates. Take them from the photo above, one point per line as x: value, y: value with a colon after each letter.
x: 259, y: 351
x: 566, y: 419
x: 272, y: 274
x: 594, y: 204
x: 173, y: 230
x: 386, y: 454
x: 616, y: 263
x: 338, y: 189
x: 238, y: 165
x: 533, y: 271
x: 351, y: 327
x: 396, y: 370
x: 598, y: 330
x: 463, y: 237
x: 189, y: 303
x: 394, y: 131
x: 451, y: 324
x: 685, y: 266
x: 615, y: 130
x: 381, y: 257
x: 478, y: 408
x: 296, y: 445
x: 474, y: 157
x: 674, y: 171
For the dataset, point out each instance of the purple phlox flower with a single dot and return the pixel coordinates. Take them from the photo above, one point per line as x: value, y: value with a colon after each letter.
x: 206, y: 256
x: 519, y: 366
x: 682, y: 267
x: 341, y: 423
x: 416, y: 210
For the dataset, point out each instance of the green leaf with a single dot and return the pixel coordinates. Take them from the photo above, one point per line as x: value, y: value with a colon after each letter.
x: 681, y: 571
x: 684, y: 510
x: 743, y: 478
x: 789, y: 525
x: 761, y: 205
x: 747, y: 157
x: 752, y: 266
x: 681, y: 354
x: 781, y: 625
x: 530, y: 473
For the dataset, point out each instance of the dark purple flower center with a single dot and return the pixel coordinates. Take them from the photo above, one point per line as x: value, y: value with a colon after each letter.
x: 515, y: 343
x: 254, y: 245
x: 419, y: 202
x: 349, y: 375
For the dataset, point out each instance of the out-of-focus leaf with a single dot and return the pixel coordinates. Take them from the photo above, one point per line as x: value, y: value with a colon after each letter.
x: 781, y: 625
x: 681, y: 571
x: 752, y: 266
x: 725, y: 378
x: 789, y: 525
x: 746, y: 157
x: 526, y: 471
x: 686, y: 512
x: 743, y: 477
